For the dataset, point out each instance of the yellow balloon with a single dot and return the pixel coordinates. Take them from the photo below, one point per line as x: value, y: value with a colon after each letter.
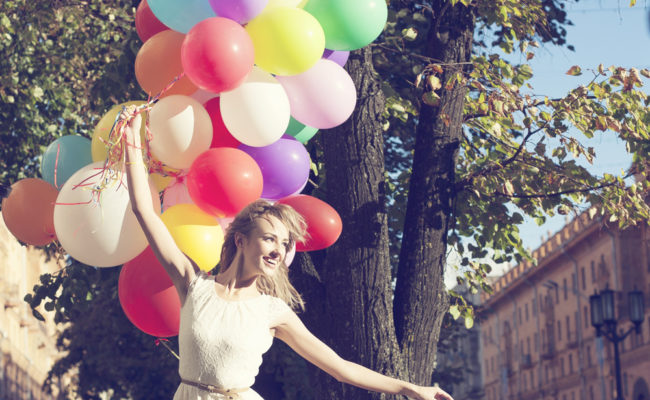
x: 196, y: 233
x: 98, y: 147
x: 286, y: 3
x: 160, y: 181
x: 287, y: 40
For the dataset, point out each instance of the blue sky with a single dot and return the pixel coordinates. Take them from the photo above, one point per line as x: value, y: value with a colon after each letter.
x: 608, y: 32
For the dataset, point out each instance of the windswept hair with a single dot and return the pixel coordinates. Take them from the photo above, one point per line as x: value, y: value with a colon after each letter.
x: 278, y: 284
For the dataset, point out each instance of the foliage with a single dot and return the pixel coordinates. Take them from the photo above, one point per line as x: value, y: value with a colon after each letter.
x: 63, y: 65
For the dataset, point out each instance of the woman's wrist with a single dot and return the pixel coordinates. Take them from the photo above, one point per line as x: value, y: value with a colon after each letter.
x: 409, y: 390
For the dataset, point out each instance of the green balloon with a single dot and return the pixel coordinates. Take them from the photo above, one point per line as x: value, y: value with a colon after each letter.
x: 349, y: 24
x: 300, y: 132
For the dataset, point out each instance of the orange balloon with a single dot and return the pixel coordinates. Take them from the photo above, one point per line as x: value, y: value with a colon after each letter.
x: 159, y: 61
x: 28, y: 211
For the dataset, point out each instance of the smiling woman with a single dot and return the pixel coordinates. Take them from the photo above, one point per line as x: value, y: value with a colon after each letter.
x: 229, y: 320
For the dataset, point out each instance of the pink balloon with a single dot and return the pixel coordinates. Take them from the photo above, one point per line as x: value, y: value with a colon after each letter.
x: 176, y: 193
x: 322, y: 97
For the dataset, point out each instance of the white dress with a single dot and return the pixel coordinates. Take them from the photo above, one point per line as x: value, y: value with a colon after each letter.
x: 221, y: 342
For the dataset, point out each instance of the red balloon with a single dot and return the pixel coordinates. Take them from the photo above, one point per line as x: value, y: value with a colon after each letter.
x: 221, y: 137
x: 324, y: 224
x: 146, y: 23
x: 222, y: 181
x: 217, y: 54
x: 148, y: 296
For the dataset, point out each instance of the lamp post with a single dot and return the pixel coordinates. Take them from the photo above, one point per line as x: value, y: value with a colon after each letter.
x: 603, y: 318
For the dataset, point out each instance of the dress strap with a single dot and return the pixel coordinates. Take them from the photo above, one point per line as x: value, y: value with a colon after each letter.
x: 231, y: 393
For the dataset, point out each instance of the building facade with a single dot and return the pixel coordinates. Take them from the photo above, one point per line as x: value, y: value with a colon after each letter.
x: 536, y: 335
x: 27, y: 346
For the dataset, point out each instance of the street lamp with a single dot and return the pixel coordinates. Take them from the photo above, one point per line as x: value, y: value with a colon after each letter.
x: 603, y: 318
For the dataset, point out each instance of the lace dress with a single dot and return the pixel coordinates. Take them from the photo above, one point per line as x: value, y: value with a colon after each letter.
x: 221, y: 342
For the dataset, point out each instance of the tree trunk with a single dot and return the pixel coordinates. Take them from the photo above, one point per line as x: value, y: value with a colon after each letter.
x: 420, y: 297
x: 348, y: 286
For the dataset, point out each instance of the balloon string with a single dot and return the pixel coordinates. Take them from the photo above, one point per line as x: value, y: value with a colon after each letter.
x: 56, y: 163
x: 163, y: 341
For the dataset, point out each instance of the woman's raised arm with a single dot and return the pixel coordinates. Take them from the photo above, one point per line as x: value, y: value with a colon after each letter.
x: 180, y: 268
x: 293, y: 332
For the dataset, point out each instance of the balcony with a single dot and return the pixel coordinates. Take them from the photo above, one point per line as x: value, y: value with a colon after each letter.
x: 548, y: 352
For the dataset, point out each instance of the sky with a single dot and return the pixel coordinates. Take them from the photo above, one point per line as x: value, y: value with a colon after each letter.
x: 604, y: 31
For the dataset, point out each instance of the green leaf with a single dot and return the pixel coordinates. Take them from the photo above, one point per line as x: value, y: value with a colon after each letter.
x: 454, y: 311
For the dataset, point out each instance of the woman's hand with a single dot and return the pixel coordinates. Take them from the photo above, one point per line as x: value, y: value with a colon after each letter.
x: 432, y: 393
x: 133, y: 122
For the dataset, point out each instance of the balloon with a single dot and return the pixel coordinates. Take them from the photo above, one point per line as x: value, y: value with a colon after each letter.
x: 148, y: 296
x: 287, y: 41
x: 301, y: 132
x: 220, y: 135
x: 164, y: 178
x: 338, y: 56
x: 223, y: 181
x: 217, y: 54
x: 349, y: 25
x: 241, y: 11
x: 285, y: 166
x: 181, y: 16
x: 146, y: 24
x: 176, y: 193
x: 287, y: 3
x: 324, y: 224
x: 196, y: 233
x: 63, y: 157
x: 257, y: 112
x: 202, y: 96
x: 181, y: 130
x: 103, y: 231
x: 28, y: 211
x: 99, y: 147
x: 323, y: 97
x: 225, y: 222
x: 158, y: 62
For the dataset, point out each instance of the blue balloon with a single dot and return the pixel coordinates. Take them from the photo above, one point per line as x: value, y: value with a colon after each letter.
x: 181, y: 15
x: 73, y: 154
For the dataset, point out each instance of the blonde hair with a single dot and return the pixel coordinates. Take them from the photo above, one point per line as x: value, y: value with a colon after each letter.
x: 278, y: 284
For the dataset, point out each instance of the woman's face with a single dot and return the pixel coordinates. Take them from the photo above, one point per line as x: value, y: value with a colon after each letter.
x: 266, y: 246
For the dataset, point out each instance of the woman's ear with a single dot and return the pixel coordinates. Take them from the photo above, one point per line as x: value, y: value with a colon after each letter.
x: 239, y: 239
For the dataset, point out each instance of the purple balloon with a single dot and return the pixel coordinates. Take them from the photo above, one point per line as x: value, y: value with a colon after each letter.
x: 338, y: 56
x: 241, y: 11
x: 285, y: 166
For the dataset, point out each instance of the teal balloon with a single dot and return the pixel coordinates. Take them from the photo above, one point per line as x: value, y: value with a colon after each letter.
x: 181, y: 15
x: 73, y: 154
x: 300, y: 132
x: 349, y: 24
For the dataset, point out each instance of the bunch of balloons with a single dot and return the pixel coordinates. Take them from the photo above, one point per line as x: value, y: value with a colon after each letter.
x: 236, y: 87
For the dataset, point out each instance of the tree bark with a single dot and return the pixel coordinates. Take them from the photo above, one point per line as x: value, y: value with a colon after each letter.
x: 347, y: 287
x: 420, y: 297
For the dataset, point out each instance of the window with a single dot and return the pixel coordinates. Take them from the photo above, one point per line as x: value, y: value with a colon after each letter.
x: 593, y: 272
x: 536, y: 342
x: 519, y: 310
x: 568, y: 328
x: 570, y: 363
x: 574, y: 284
x: 532, y: 379
x: 524, y: 381
x: 588, y: 356
x: 526, y: 311
x: 534, y: 306
x: 559, y: 330
x: 585, y: 313
x: 562, y: 366
x: 583, y: 277
x: 566, y: 289
x: 557, y: 296
x: 528, y: 345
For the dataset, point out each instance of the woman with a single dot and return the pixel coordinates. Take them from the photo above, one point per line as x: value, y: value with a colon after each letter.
x: 228, y: 321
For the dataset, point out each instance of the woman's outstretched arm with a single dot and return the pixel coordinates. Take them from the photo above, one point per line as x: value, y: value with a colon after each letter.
x: 179, y: 267
x: 293, y: 332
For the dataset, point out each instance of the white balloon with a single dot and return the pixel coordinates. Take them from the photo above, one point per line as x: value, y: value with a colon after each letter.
x: 101, y: 231
x: 257, y: 112
x: 181, y: 129
x: 202, y: 96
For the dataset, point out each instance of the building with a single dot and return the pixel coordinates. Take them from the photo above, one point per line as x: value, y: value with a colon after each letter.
x: 463, y: 354
x: 27, y: 346
x: 536, y: 334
